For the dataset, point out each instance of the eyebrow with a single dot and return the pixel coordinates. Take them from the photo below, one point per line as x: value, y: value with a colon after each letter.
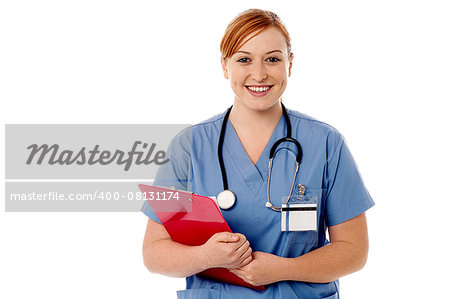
x: 248, y: 53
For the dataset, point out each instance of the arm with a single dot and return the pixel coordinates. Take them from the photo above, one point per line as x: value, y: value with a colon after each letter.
x: 346, y: 253
x: 164, y: 256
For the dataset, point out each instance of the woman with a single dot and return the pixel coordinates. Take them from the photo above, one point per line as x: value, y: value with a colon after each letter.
x: 257, y: 60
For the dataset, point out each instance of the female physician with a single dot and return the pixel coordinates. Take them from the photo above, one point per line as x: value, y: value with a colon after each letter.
x: 284, y: 249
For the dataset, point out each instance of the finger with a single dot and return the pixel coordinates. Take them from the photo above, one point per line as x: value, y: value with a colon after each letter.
x: 241, y: 236
x: 242, y: 242
x: 236, y: 251
x: 243, y: 248
x: 248, y: 252
x: 226, y: 237
x: 246, y: 261
x: 246, y: 255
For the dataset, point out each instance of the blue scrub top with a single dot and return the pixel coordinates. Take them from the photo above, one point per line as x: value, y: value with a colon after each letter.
x: 327, y: 170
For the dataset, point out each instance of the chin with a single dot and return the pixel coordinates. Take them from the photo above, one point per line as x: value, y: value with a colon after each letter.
x: 260, y: 105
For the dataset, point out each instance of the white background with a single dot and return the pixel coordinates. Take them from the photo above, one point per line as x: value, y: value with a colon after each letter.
x: 378, y: 71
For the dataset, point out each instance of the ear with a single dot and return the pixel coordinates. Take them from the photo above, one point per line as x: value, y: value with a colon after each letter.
x: 291, y: 58
x: 223, y: 61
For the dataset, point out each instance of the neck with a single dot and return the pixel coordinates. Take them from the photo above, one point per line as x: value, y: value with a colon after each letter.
x: 242, y: 116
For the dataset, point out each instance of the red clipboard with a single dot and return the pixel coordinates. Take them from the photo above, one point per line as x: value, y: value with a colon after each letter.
x: 192, y: 220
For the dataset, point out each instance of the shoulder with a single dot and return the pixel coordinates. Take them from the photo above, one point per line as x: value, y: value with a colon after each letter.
x: 207, y: 129
x: 306, y: 123
x: 316, y: 135
x: 212, y: 122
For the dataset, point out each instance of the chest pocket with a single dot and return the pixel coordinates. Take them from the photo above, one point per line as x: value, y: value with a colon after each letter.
x: 310, y: 237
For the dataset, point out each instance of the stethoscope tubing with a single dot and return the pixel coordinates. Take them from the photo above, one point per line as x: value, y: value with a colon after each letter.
x: 273, y: 149
x: 220, y: 149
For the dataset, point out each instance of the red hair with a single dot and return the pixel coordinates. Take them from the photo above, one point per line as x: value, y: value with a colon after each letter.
x: 250, y: 22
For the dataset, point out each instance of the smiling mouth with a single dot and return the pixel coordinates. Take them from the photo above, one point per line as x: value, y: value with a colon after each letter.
x: 259, y: 89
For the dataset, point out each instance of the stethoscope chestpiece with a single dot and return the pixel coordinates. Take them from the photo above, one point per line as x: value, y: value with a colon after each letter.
x: 226, y: 199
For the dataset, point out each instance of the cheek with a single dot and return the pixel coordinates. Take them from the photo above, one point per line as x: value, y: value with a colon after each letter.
x: 279, y: 72
x: 281, y: 76
x: 236, y: 78
x: 234, y: 83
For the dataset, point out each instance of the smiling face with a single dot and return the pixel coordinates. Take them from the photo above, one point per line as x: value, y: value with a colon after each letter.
x: 258, y: 71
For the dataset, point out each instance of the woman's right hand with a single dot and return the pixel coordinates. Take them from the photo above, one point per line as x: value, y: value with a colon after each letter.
x: 227, y: 250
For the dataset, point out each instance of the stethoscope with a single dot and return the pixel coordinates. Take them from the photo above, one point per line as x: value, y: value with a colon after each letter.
x: 226, y: 199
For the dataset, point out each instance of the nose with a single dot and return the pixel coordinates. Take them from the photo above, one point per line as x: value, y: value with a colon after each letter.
x: 259, y: 72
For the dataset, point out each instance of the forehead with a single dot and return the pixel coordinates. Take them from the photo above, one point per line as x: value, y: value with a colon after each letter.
x: 268, y: 40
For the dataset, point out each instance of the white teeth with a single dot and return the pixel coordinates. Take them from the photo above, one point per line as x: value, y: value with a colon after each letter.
x: 258, y: 89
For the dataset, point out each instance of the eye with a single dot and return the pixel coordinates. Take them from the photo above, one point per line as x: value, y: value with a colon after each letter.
x: 273, y: 59
x: 243, y: 60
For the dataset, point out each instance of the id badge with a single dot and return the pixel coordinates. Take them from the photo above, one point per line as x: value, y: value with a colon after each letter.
x: 299, y: 214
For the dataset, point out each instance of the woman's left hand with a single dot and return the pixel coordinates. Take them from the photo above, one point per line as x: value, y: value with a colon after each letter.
x: 262, y: 270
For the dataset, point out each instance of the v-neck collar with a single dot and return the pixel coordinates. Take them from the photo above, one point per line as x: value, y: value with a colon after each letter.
x: 254, y: 175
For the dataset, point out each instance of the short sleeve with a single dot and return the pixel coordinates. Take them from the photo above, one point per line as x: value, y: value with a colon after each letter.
x: 346, y: 195
x: 177, y: 171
